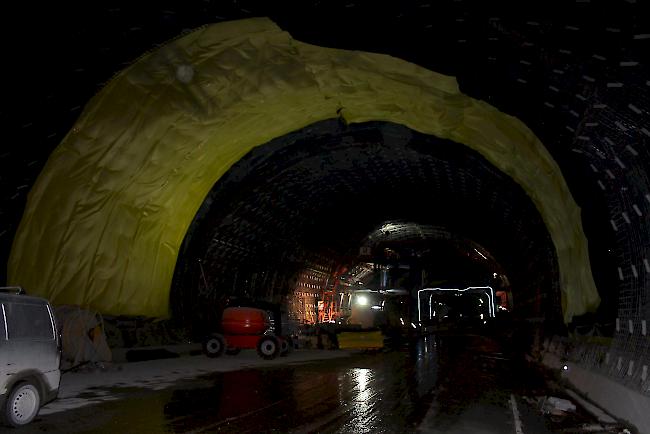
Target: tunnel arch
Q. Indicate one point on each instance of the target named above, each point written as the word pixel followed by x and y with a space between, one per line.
pixel 309 200
pixel 106 218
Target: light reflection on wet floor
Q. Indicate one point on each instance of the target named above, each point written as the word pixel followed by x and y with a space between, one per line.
pixel 373 393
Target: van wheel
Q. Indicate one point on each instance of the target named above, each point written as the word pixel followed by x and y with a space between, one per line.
pixel 22 405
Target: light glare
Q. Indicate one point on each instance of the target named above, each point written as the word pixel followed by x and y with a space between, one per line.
pixel 362 300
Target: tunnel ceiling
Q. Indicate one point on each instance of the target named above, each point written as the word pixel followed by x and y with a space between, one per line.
pixel 428 246
pixel 313 197
pixel 576 73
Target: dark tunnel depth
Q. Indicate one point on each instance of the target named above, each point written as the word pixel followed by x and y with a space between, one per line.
pixel 308 200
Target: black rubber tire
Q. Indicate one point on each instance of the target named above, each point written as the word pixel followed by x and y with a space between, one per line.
pixel 233 351
pixel 268 347
pixel 214 345
pixel 286 345
pixel 22 405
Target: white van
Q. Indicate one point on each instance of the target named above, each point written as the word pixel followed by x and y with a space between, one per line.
pixel 30 356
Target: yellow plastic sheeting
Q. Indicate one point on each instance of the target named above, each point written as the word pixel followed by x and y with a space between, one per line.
pixel 104 222
pixel 360 340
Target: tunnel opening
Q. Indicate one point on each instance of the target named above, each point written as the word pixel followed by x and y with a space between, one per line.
pixel 584 100
pixel 291 220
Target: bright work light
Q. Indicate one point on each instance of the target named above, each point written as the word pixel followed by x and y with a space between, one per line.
pixel 362 300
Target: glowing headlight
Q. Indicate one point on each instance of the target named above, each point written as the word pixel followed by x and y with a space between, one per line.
pixel 362 300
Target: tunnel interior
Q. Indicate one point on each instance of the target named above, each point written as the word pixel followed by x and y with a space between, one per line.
pixel 574 73
pixel 292 213
pixel 296 213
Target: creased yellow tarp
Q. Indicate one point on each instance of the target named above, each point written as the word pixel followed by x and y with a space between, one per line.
pixel 104 222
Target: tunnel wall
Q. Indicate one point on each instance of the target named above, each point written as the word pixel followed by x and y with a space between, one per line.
pixel 310 198
pixel 628 402
pixel 105 220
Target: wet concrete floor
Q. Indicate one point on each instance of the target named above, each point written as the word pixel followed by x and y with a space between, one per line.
pixel 455 384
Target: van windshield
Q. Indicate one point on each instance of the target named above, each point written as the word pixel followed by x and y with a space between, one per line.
pixel 28 321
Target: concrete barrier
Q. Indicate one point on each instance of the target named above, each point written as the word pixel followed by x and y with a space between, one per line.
pixel 624 403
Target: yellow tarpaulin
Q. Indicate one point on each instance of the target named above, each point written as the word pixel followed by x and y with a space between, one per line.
pixel 104 222
pixel 360 340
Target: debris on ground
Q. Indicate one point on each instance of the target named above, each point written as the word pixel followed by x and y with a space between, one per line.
pixel 564 416
pixel 556 406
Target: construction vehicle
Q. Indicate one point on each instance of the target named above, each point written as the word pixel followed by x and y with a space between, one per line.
pixel 246 328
